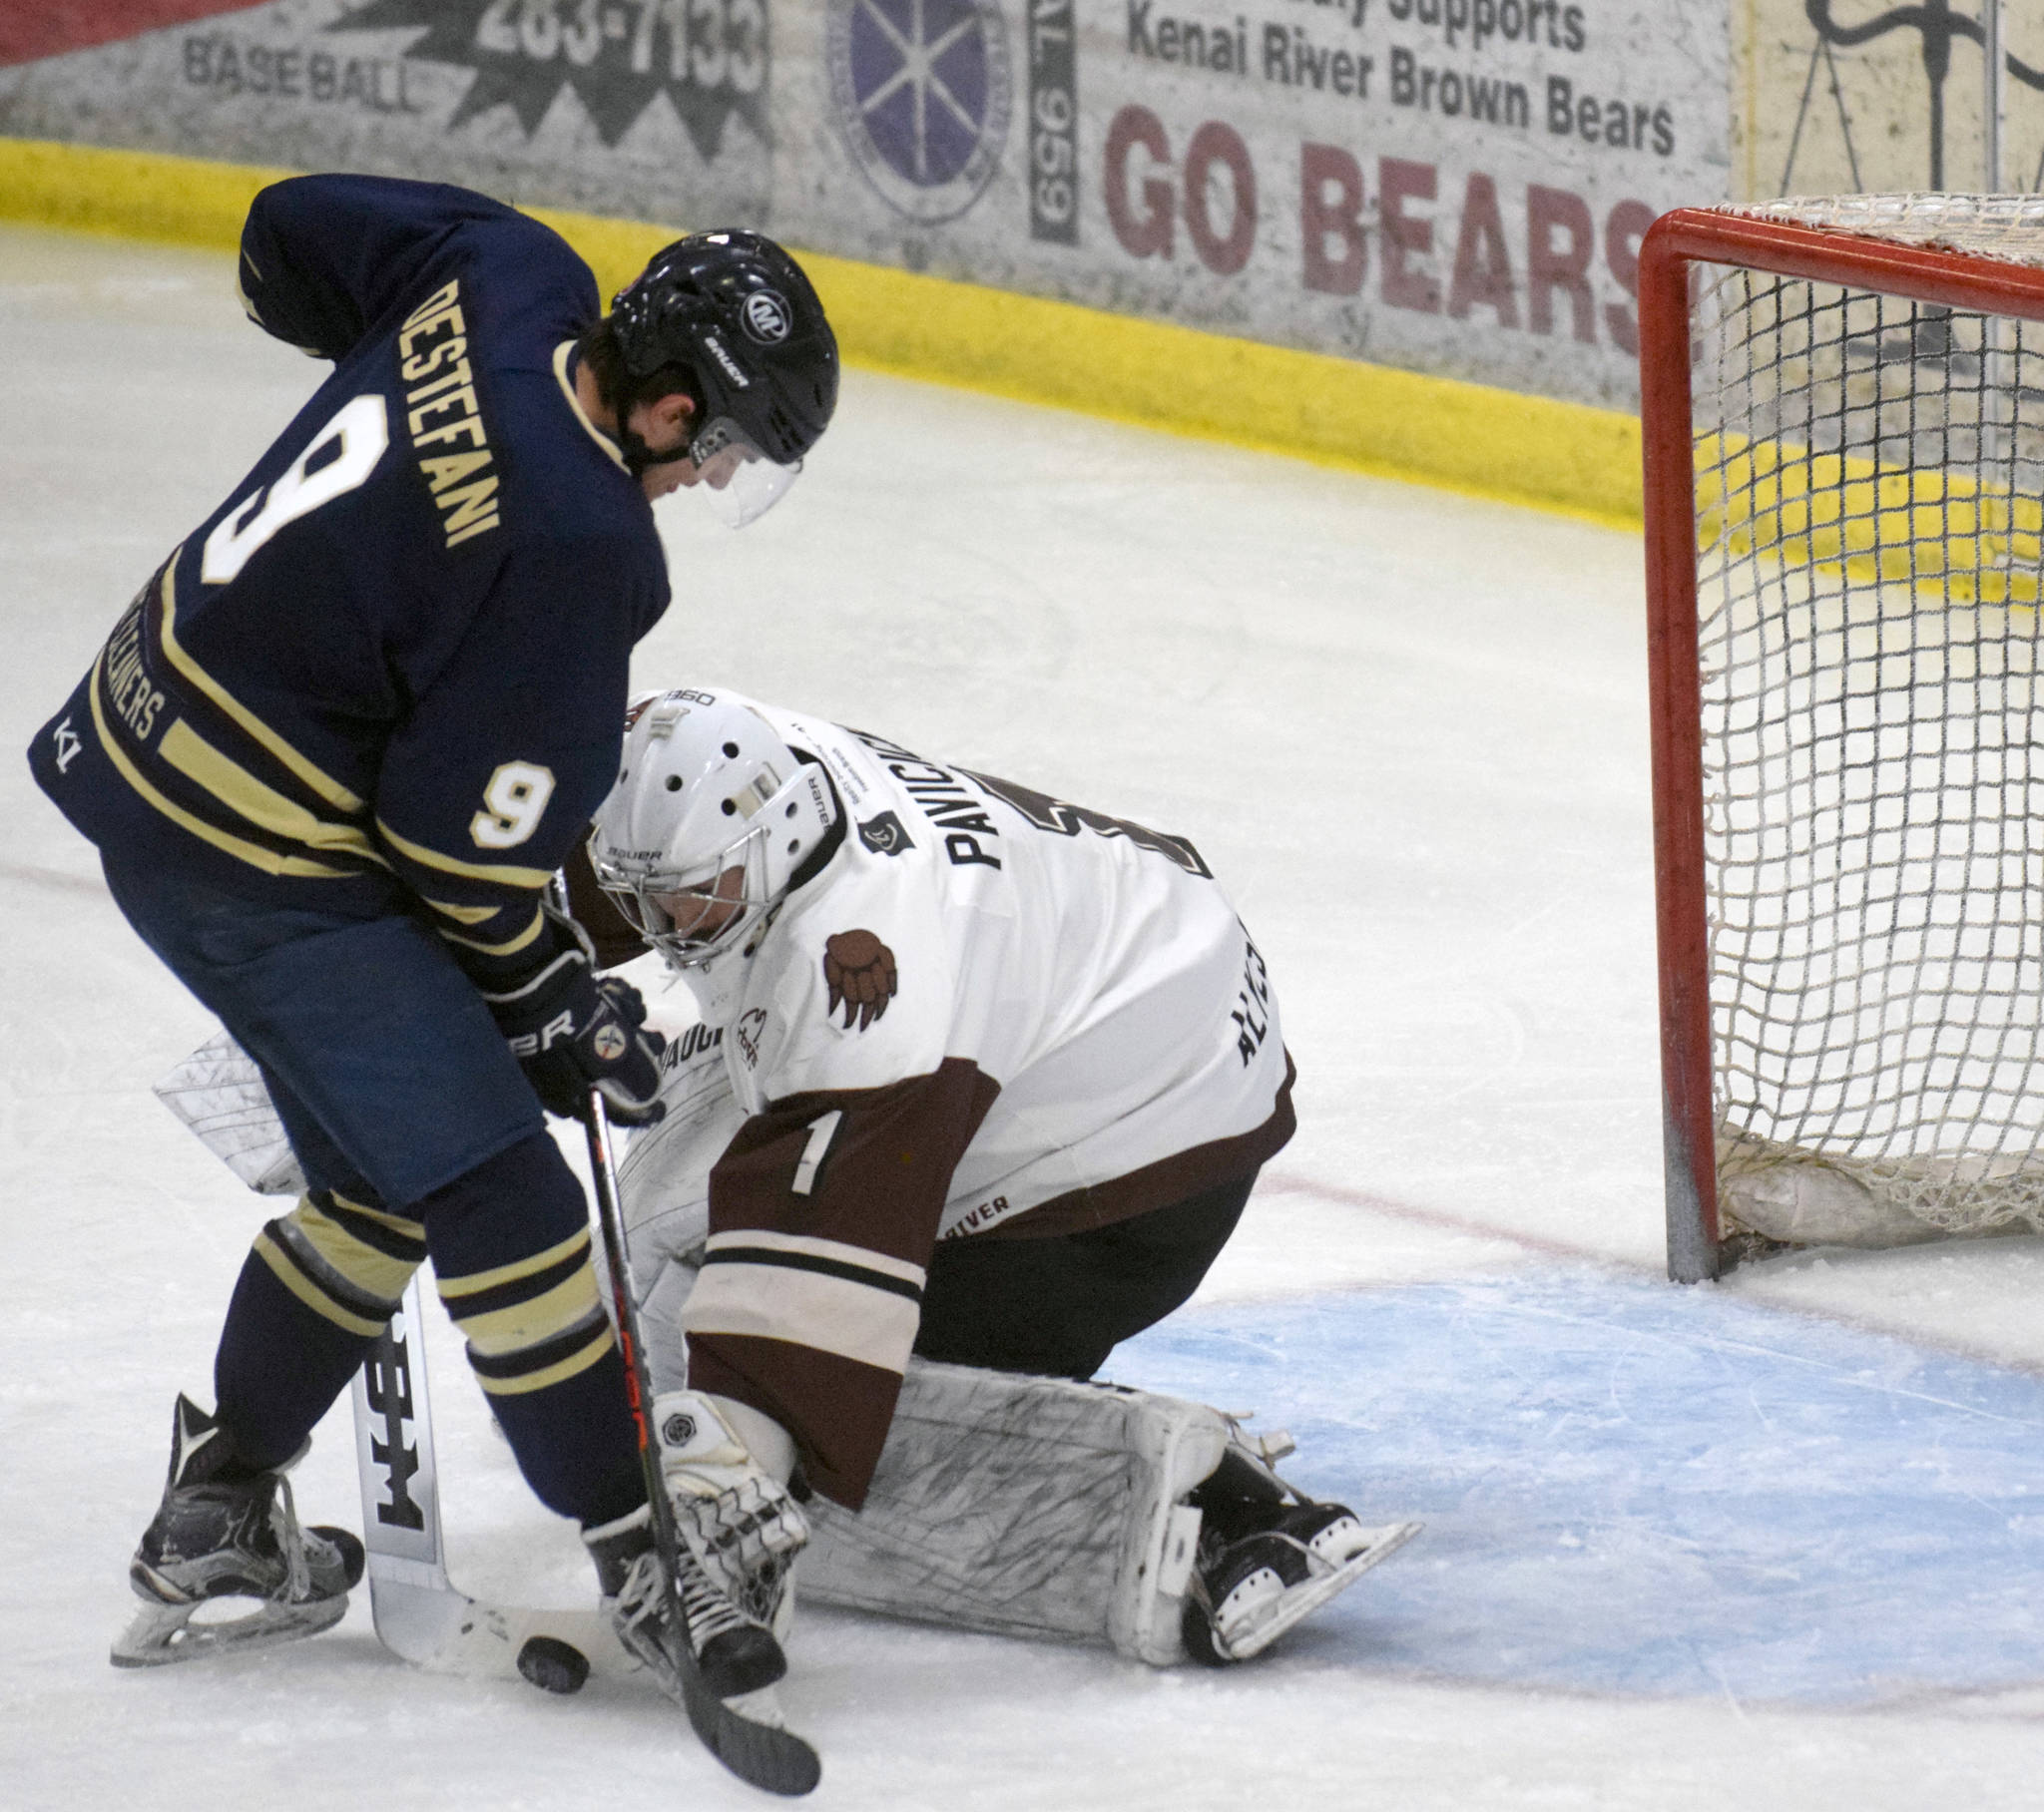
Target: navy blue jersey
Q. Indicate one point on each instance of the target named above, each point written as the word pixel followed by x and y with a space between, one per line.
pixel 393 661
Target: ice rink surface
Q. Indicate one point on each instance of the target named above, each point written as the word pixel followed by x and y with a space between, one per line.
pixel 1778 1542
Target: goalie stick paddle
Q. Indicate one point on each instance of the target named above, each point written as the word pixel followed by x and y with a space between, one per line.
pixel 759 1750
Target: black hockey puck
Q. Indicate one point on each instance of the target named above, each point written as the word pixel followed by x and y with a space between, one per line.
pixel 552 1664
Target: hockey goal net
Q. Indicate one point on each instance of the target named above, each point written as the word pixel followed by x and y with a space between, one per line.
pixel 1843 410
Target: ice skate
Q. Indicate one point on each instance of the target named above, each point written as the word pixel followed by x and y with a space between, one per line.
pixel 736 1655
pixel 229 1542
pixel 1267 1557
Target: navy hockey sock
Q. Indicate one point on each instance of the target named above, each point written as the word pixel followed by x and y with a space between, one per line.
pixel 511 1251
pixel 285 1352
pixel 319 1285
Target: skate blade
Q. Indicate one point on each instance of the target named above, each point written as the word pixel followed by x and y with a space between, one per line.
pixel 1301 1600
pixel 164 1634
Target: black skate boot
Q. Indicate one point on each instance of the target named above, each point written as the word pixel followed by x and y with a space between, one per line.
pixel 735 1655
pixel 225 1532
pixel 1267 1556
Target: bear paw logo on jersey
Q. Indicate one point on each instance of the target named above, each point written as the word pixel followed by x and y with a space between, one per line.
pixel 710 58
pixel 859 971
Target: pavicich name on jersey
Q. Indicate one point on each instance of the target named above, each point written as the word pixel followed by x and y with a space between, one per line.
pixel 949 803
pixel 442 393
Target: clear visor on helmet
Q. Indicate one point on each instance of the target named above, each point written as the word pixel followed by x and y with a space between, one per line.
pixel 689 921
pixel 741 484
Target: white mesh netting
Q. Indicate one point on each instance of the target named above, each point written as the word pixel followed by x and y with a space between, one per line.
pixel 1870 547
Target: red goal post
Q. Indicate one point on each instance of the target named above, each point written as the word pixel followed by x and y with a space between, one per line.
pixel 1841 469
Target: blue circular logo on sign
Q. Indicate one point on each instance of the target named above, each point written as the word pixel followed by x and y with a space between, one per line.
pixel 922 93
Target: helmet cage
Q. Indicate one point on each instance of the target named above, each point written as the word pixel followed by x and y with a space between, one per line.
pixel 709 787
pixel 667 908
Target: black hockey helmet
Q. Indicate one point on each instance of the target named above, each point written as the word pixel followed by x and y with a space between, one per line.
pixel 736 309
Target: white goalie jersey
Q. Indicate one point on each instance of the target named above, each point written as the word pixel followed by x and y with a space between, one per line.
pixel 1090 969
pixel 990 1014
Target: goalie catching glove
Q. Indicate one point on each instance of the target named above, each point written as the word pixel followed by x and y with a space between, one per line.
pixel 740 1534
pixel 736 1517
pixel 571 1030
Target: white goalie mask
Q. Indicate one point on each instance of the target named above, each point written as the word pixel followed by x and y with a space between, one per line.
pixel 711 815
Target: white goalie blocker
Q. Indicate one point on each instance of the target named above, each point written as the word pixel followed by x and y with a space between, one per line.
pixel 218 1093
pixel 1020 1505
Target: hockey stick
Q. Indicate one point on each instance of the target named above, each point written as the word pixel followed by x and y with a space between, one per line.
pixel 766 1754
pixel 420 1615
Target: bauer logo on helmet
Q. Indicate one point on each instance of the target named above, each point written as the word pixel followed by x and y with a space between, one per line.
pixel 731 369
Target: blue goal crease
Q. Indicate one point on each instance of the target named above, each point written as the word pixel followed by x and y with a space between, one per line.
pixel 1637 1490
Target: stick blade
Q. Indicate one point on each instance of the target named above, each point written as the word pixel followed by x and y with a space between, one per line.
pixel 747 1735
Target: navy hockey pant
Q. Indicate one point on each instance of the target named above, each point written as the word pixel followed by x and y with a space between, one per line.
pixel 420 1136
pixel 1058 1306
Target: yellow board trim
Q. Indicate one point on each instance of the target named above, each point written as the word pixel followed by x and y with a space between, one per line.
pixel 1946 533
pixel 235 787
pixel 321 783
pixel 504 874
pixel 251 854
pixel 1341 412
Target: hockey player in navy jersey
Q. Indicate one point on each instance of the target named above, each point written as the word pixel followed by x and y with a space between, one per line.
pixel 331 755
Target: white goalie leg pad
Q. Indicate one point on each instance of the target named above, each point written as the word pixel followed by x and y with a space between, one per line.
pixel 660 1321
pixel 220 1093
pixel 664 1177
pixel 1033 1507
pixel 663 1189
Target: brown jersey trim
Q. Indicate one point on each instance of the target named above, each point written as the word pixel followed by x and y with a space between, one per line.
pixel 837 1409
pixel 880 1186
pixel 885 1178
pixel 1170 1180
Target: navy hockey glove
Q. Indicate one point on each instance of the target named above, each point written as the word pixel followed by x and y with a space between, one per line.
pixel 571 1031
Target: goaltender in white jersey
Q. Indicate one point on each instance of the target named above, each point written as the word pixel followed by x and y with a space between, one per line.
pixel 1080 981
pixel 984 1079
